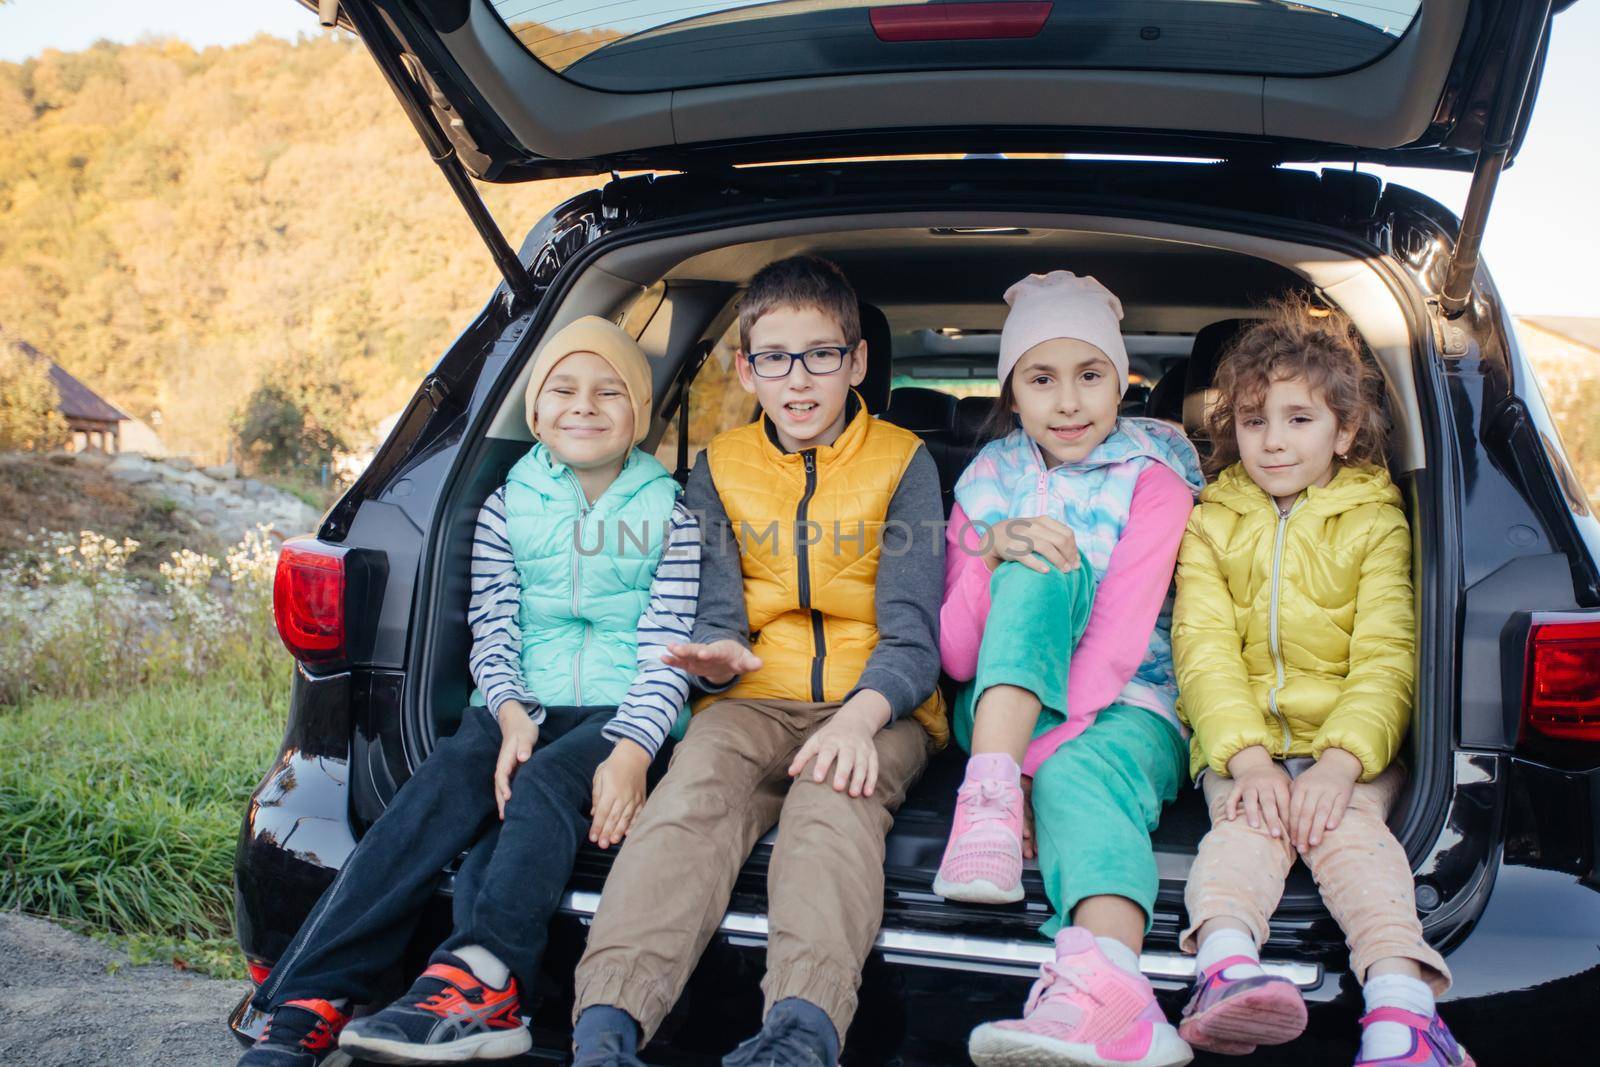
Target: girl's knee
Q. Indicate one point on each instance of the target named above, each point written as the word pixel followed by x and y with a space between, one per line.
pixel 1017 586
pixel 1359 829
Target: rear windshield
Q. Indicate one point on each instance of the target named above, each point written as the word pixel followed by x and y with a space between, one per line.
pixel 639 45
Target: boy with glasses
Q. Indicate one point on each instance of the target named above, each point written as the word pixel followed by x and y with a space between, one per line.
pixel 816 634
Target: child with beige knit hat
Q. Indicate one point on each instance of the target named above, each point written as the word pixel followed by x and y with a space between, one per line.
pixel 585 565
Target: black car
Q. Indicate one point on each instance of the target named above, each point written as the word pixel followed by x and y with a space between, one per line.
pixel 761 131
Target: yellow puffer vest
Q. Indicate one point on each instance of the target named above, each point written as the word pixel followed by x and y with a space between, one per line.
pixel 1296 632
pixel 812 610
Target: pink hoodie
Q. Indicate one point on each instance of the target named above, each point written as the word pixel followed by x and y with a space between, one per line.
pixel 1126 604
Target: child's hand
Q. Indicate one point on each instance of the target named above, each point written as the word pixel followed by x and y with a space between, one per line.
pixel 1024 540
pixel 1261 787
pixel 717 662
pixel 518 735
pixel 618 793
pixel 1319 796
pixel 845 743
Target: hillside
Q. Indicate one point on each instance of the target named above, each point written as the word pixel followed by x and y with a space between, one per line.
pixel 176 225
pixel 165 506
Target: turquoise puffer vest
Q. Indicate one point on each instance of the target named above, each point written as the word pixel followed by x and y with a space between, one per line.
pixel 585 573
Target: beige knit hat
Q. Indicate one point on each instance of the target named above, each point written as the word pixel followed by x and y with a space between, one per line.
pixel 1062 304
pixel 608 341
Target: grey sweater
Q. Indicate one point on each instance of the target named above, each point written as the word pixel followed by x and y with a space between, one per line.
pixel 904 667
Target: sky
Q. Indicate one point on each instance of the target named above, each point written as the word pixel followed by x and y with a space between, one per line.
pixel 1543 232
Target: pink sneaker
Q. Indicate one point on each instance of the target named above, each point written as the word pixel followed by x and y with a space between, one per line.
pixel 1432 1044
pixel 983 861
pixel 1084 1011
pixel 1232 1016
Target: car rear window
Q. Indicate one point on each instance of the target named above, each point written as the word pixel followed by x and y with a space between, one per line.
pixel 957 387
pixel 640 45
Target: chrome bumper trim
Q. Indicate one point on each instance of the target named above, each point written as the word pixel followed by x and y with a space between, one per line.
pixel 958 953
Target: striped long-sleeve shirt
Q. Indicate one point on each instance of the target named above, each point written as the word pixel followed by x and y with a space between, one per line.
pixel 658 692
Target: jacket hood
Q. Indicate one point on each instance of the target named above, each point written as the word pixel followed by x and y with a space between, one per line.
pixel 1350 488
pixel 542 473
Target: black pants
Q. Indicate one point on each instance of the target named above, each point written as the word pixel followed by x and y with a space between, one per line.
pixel 509 887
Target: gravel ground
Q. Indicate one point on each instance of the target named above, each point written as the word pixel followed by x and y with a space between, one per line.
pixel 61 1005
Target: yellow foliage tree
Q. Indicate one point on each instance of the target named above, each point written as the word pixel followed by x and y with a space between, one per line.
pixel 178 227
pixel 30 415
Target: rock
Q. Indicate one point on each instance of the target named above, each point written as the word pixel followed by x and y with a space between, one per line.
pixel 222 472
pixel 135 475
pixel 179 463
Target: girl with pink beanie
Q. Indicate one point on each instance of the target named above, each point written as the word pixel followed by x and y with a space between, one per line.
pixel 1056 619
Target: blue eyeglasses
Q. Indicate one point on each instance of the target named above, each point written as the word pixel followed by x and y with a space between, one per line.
pixel 777 364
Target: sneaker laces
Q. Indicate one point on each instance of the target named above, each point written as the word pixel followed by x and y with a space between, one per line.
pixel 788 1035
pixel 300 1026
pixel 985 800
pixel 1055 973
pixel 784 1039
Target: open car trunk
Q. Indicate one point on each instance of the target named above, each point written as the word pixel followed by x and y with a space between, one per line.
pixel 504 91
pixel 935 279
pixel 583 86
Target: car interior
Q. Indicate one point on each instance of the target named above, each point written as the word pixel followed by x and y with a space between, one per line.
pixel 931 314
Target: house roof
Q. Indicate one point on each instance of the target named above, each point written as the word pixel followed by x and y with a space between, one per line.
pixel 78 401
pixel 1584 330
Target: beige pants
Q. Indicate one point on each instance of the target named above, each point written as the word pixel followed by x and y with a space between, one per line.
pixel 1360 868
pixel 727 785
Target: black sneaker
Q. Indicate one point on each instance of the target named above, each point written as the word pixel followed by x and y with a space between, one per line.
pixel 608 1051
pixel 301 1033
pixel 447 1016
pixel 791 1036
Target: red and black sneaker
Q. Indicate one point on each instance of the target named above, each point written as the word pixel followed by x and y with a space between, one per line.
pixel 447 1016
pixel 301 1033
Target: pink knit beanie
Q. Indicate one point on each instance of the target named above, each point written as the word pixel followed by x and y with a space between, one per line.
pixel 1061 304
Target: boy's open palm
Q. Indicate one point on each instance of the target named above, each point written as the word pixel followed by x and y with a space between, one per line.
pixel 1037 543
pixel 618 793
pixel 717 662
pixel 1319 797
pixel 518 735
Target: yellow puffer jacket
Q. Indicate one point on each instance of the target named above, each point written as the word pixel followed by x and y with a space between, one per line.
pixel 812 608
pixel 1295 632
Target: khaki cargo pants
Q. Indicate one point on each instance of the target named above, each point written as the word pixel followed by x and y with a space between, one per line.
pixel 727 785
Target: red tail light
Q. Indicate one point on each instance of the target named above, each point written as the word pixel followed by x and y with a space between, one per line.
pixel 308 600
pixel 1562 699
pixel 1006 20
pixel 258 971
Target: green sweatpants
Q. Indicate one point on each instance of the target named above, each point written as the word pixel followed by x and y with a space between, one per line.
pixel 1097 798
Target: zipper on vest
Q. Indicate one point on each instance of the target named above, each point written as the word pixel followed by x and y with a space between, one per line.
pixel 577 557
pixel 1272 639
pixel 803 551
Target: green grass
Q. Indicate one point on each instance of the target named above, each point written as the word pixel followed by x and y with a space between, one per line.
pixel 216 956
pixel 118 815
